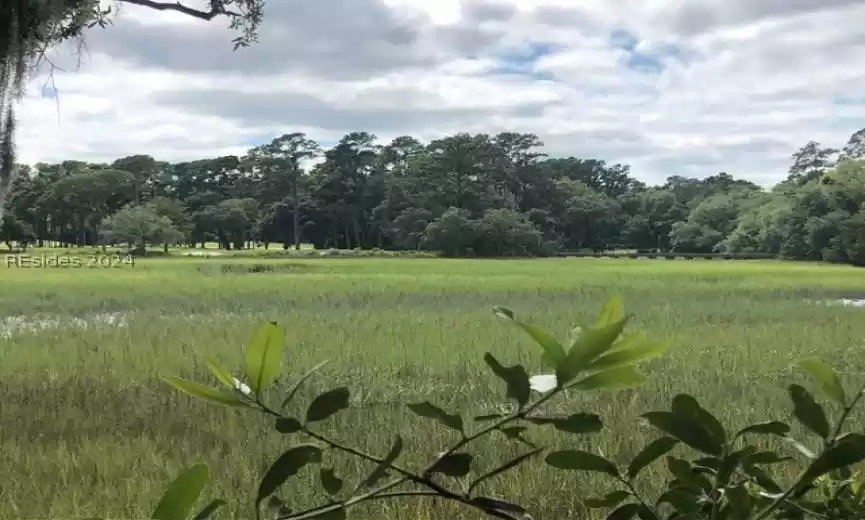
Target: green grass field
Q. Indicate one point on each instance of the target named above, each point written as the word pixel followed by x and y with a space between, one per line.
pixel 86 427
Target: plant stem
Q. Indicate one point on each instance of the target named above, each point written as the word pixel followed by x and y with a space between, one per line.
pixel 795 488
pixel 407 475
pixel 519 414
pixel 639 497
pixel 315 511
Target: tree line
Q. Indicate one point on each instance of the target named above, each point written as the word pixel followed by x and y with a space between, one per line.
pixel 461 195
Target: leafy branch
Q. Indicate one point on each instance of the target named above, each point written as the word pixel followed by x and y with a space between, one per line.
pixel 729 479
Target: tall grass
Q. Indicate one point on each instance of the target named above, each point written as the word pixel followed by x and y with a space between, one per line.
pixel 86 428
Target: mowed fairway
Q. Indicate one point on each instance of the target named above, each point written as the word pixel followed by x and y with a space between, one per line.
pixel 86 427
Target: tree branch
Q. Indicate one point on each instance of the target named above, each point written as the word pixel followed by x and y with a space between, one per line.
pixel 216 8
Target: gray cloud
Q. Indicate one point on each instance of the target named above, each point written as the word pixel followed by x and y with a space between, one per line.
pixel 745 98
pixel 398 116
pixel 327 38
pixel 697 16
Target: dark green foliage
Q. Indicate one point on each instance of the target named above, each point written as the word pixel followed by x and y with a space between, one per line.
pixel 723 477
pixel 431 411
pixel 31 28
pixel 464 195
pixel 515 377
pixel 287 465
pixel 327 404
pixel 453 465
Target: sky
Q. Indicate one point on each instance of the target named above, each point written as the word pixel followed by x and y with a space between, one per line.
pixel 669 87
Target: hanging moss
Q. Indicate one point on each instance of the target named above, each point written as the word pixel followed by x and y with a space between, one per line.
pixel 29 28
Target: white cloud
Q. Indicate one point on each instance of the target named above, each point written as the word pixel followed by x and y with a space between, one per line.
pixel 739 87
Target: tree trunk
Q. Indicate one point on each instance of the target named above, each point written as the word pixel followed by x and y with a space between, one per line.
pixel 296 217
pixel 6 179
pixel 358 240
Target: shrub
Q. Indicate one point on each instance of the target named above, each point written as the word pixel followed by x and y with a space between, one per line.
pixel 728 477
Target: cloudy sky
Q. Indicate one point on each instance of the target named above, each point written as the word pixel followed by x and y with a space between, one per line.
pixel 687 87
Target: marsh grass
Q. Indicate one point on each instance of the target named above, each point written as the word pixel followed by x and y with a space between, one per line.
pixel 88 429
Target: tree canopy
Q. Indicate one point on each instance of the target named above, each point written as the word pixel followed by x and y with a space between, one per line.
pixel 31 28
pixel 462 195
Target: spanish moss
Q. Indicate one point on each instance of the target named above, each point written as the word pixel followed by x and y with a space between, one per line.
pixel 28 28
pixel 31 28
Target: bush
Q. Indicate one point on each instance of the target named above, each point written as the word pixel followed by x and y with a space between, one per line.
pixel 728 476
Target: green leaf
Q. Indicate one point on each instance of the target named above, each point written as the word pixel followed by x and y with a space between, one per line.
pixel 731 463
pixel 826 376
pixel 625 512
pixel 682 470
pixel 497 505
pixel 431 411
pixel 686 406
pixel 383 467
pixel 327 404
pixel 329 481
pixel 612 312
pixel 847 451
pixel 628 356
pixel 333 514
pixel 264 356
pixel 579 423
pixel 554 352
pixel 205 392
pixel 182 494
pixel 645 513
pixel 740 500
pixel 581 460
pixel 224 376
pixel 209 509
pixel 516 461
pixel 288 425
pixel 287 465
pixel 277 507
pixel 681 499
pixel 300 382
pixel 801 448
pixel 516 433
pixel 515 377
pixel 808 412
pixel 504 312
pixel 591 344
pixel 489 417
pixel 453 465
pixel 766 457
pixel 617 378
pixel 575 423
pixel 710 463
pixel 767 428
pixel 655 450
pixel 762 478
pixel 574 335
pixel 629 341
pixel 611 499
pixel 686 430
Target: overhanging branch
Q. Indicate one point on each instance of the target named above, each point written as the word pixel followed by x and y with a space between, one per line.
pixel 216 8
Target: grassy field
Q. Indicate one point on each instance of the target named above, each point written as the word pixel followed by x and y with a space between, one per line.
pixel 86 428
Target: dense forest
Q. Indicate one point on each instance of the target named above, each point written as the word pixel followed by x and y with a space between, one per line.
pixel 462 195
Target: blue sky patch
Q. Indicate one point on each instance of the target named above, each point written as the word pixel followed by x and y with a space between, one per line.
pixel 643 61
pixel 522 61
pixel 48 92
pixel 849 100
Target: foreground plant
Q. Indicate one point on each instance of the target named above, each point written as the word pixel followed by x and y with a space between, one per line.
pixel 727 480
